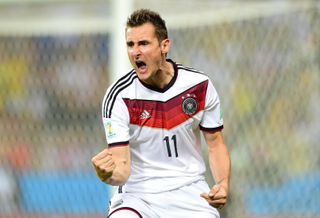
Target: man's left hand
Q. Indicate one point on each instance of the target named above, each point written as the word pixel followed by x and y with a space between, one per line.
pixel 217 196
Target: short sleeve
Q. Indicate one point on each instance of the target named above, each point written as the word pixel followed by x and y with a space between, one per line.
pixel 115 118
pixel 212 117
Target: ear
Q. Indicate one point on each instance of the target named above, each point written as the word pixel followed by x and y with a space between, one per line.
pixel 165 46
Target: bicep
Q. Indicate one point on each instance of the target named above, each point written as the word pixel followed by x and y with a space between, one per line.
pixel 214 138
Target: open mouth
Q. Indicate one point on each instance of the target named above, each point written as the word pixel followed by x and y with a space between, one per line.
pixel 141 64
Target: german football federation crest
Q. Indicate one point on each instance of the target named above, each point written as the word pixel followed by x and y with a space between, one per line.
pixel 189 106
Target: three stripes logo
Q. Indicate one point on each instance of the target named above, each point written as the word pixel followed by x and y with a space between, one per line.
pixel 144 115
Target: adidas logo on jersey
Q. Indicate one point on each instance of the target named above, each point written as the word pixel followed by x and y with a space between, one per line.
pixel 144 115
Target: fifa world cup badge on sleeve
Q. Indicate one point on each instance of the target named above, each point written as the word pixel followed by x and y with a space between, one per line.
pixel 107 123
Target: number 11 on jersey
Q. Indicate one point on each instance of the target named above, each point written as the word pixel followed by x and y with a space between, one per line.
pixel 174 141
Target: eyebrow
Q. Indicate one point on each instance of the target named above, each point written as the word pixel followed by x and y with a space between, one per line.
pixel 144 41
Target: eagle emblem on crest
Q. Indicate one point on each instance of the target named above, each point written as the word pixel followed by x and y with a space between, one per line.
pixel 189 105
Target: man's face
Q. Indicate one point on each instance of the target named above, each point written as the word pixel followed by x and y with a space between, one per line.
pixel 145 52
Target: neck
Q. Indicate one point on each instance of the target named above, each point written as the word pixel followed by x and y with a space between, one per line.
pixel 164 75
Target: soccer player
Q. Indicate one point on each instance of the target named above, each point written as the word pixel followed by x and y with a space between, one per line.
pixel 153 117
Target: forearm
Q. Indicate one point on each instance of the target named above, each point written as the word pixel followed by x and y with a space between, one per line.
pixel 220 164
pixel 119 175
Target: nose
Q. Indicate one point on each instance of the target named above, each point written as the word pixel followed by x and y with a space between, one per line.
pixel 134 51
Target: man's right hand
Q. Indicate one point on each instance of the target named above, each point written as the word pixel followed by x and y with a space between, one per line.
pixel 104 164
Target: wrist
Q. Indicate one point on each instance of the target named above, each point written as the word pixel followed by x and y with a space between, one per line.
pixel 224 183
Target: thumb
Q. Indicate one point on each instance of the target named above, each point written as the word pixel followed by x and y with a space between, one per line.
pixel 214 190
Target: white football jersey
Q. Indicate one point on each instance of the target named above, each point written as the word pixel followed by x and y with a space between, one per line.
pixel 162 127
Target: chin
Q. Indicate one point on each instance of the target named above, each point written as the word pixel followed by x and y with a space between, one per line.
pixel 145 75
pixel 144 78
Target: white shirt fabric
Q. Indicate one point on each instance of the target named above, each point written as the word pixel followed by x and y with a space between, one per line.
pixel 162 127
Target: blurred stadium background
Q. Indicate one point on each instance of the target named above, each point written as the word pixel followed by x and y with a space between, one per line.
pixel 57 58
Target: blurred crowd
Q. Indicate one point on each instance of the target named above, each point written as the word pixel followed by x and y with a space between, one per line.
pixel 50 96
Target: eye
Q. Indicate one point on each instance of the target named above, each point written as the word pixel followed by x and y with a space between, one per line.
pixel 130 44
pixel 143 42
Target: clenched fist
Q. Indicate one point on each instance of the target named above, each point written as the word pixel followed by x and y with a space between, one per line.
pixel 104 164
pixel 217 196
